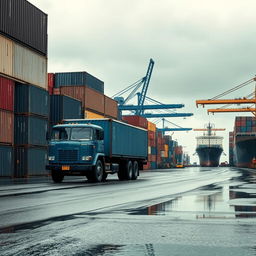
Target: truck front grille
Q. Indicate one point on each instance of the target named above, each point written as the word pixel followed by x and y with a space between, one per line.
pixel 68 155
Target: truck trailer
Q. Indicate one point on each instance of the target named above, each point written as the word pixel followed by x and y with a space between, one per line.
pixel 95 148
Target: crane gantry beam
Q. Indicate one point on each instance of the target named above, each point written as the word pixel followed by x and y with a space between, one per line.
pixel 219 110
pixel 226 101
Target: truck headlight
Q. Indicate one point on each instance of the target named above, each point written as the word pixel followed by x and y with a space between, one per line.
pixel 86 158
pixel 51 158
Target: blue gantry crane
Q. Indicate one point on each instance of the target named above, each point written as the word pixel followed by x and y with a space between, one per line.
pixel 140 108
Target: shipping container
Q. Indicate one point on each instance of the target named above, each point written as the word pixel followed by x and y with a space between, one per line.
pixel 29 66
pixel 91 115
pixel 50 83
pixel 111 108
pixel 136 121
pixel 64 107
pixel 30 161
pixel 151 127
pixel 30 130
pixel 79 79
pixel 25 23
pixel 6 55
pixel 6 161
pixel 6 127
pixel 153 165
pixel 6 94
pixel 133 144
pixel 91 99
pixel 31 99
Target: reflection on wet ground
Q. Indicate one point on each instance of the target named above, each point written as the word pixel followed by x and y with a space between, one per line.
pixel 235 198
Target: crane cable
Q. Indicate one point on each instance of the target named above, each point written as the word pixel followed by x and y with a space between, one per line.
pixel 233 89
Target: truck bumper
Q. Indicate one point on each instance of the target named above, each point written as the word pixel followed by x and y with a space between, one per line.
pixel 69 168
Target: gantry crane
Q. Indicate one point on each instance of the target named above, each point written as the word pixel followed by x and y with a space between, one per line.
pixel 166 129
pixel 140 107
pixel 249 99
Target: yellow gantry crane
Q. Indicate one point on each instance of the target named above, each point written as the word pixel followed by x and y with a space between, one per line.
pixel 250 99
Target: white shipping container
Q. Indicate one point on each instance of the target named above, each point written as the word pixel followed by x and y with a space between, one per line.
pixel 6 56
pixel 29 66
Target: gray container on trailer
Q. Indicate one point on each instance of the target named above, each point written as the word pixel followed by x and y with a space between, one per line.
pixel 120 139
pixel 30 130
pixel 30 161
pixel 6 161
pixel 31 99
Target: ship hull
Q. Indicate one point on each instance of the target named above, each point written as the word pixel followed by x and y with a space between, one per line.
pixel 245 151
pixel 209 156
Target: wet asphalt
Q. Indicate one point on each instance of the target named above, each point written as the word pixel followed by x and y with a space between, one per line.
pixel 190 211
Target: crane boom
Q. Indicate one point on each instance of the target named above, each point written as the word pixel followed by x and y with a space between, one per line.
pixel 219 110
pixel 226 101
pixel 143 93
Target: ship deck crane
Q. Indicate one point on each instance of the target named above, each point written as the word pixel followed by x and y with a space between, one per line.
pixel 249 99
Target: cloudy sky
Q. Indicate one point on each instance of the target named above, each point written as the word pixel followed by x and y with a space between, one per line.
pixel 200 48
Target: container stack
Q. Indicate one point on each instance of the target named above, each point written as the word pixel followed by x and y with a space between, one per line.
pixel 23 51
pixel 152 151
pixel 87 89
pixel 231 148
pixel 245 124
pixel 6 127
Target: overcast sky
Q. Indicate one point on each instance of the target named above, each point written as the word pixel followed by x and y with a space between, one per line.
pixel 200 48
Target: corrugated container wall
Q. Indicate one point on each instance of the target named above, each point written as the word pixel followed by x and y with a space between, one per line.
pixel 64 107
pixel 136 121
pixel 30 161
pixel 29 66
pixel 111 108
pixel 31 99
pixel 22 21
pixel 30 130
pixel 6 55
pixel 91 99
pixel 6 127
pixel 6 94
pixel 6 161
pixel 78 79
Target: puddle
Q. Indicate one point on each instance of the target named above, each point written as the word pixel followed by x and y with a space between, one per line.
pixel 223 201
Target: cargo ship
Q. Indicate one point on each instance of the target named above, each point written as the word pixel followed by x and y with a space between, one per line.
pixel 244 142
pixel 209 147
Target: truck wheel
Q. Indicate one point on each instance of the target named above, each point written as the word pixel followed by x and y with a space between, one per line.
pixel 57 177
pixel 97 172
pixel 128 170
pixel 121 173
pixel 135 170
pixel 104 177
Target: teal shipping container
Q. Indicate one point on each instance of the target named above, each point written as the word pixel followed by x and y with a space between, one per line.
pixel 6 161
pixel 120 139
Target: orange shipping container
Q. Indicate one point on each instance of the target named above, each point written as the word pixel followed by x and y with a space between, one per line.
pixel 111 108
pixel 151 127
pixel 91 115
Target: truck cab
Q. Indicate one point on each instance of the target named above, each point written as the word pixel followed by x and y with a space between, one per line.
pixel 76 149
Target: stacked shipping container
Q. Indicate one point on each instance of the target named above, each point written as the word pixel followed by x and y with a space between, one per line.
pixel 231 148
pixel 23 58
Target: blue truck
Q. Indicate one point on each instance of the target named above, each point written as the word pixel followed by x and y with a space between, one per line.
pixel 95 148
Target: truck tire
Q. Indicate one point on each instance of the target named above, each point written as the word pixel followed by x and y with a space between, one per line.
pixel 135 170
pixel 104 177
pixel 128 170
pixel 121 171
pixel 97 173
pixel 57 176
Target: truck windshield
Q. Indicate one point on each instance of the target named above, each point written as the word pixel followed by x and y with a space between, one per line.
pixel 82 133
pixel 60 133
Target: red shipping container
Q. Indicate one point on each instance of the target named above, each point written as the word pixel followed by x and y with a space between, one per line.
pixel 6 94
pixel 146 166
pixel 136 121
pixel 111 108
pixel 50 83
pixel 6 127
pixel 151 135
pixel 56 91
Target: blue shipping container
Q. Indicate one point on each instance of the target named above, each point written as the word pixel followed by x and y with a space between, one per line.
pixel 153 165
pixel 30 161
pixel 31 99
pixel 78 79
pixel 120 139
pixel 153 151
pixel 64 107
pixel 30 130
pixel 6 161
